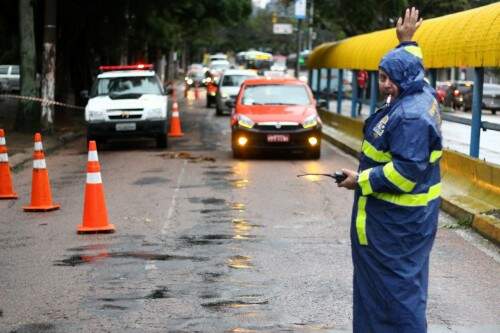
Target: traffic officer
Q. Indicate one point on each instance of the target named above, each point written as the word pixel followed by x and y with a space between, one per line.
pixel 397 189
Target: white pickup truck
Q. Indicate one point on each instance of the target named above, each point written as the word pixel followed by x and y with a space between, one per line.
pixel 9 78
pixel 127 101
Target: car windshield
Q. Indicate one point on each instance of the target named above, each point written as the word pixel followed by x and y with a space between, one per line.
pixel 134 85
pixel 234 80
pixel 219 67
pixel 198 75
pixel 4 69
pixel 277 94
pixel 491 89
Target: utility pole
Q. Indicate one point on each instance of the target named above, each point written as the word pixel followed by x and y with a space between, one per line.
pixel 310 31
pixel 49 65
pixel 300 15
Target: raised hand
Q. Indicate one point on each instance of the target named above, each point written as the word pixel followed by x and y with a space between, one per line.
pixel 405 28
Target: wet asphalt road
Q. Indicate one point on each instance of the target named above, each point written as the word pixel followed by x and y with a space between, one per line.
pixel 205 243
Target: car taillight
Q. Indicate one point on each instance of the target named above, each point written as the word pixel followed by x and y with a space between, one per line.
pixel 456 92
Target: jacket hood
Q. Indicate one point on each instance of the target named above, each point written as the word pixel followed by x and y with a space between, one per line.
pixel 405 68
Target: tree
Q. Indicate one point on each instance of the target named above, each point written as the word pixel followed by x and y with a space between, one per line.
pixel 27 117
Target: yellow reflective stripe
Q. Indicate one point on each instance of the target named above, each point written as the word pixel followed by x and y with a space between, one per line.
pixel 364 182
pixel 415 50
pixel 411 200
pixel 361 221
pixel 375 154
pixel 398 179
pixel 435 155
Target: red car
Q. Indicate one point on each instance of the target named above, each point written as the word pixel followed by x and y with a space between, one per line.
pixel 277 113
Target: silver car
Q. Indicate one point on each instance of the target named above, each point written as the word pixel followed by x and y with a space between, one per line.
pixel 9 78
pixel 229 86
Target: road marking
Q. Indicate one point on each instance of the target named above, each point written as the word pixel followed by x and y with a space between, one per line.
pixel 150 264
pixel 174 199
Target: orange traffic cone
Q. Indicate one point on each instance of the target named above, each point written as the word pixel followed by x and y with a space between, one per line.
pixel 6 190
pixel 95 215
pixel 175 122
pixel 41 196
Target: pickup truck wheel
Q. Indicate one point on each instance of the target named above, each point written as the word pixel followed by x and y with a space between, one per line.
pixel 161 141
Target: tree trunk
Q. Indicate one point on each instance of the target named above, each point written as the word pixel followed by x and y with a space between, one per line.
pixel 49 65
pixel 27 116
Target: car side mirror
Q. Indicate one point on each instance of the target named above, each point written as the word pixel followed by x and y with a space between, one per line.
pixel 84 94
pixel 230 104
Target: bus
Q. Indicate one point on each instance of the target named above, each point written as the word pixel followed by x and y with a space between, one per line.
pixel 256 60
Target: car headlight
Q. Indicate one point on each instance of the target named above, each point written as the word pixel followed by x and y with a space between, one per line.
pixel 156 113
pixel 189 81
pixel 310 121
pixel 224 95
pixel 244 121
pixel 96 115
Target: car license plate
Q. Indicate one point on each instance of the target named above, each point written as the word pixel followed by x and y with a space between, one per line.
pixel 278 138
pixel 125 127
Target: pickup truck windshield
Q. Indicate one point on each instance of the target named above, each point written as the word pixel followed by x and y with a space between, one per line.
pixel 134 85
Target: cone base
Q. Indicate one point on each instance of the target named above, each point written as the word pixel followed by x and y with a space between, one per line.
pixel 8 196
pixel 175 134
pixel 110 228
pixel 41 208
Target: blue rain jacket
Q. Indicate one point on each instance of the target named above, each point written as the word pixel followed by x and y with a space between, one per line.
pixel 396 205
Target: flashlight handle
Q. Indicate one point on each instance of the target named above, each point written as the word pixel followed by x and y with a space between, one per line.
pixel 339 176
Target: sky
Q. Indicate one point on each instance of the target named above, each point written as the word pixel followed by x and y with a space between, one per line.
pixel 260 3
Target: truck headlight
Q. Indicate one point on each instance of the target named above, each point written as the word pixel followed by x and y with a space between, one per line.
pixel 310 121
pixel 156 113
pixel 97 115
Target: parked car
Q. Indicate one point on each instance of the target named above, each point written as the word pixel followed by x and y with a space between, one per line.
pixel 127 101
pixel 491 97
pixel 229 85
pixel 275 114
pixel 9 78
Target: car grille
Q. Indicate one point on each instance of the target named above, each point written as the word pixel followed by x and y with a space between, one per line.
pixel 124 114
pixel 277 126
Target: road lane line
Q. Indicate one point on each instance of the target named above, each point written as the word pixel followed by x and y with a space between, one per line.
pixel 174 199
pixel 150 264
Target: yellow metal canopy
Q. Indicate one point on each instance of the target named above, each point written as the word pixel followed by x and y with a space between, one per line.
pixel 466 39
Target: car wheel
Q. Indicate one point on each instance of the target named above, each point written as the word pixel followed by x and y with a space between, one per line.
pixel 218 111
pixel 161 141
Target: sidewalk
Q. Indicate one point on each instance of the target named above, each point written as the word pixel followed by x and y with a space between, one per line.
pixel 68 127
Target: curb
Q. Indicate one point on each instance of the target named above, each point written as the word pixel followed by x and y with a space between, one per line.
pixel 61 142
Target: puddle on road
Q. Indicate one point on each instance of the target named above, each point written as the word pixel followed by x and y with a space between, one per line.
pixel 240 183
pixel 211 276
pixel 240 262
pixel 85 259
pixel 35 328
pixel 227 305
pixel 151 181
pixel 207 201
pixel 218 173
pixel 159 293
pixel 113 307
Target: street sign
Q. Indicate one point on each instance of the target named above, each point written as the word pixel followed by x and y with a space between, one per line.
pixel 282 28
pixel 300 9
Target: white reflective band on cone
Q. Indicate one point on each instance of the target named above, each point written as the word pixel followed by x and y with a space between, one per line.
pixel 39 164
pixel 93 156
pixel 2 141
pixel 4 158
pixel 38 146
pixel 175 114
pixel 94 178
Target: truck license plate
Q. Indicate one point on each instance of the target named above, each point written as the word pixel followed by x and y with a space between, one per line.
pixel 125 127
pixel 278 138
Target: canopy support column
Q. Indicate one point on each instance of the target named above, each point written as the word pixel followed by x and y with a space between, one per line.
pixel 477 102
pixel 354 97
pixel 373 91
pixel 328 87
pixel 340 90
